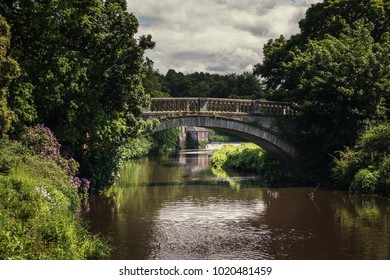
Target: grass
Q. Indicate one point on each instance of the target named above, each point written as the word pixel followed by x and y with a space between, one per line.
pixel 248 158
pixel 40 210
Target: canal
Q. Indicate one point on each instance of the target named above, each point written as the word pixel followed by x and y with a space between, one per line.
pixel 177 207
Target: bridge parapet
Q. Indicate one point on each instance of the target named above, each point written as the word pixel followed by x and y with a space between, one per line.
pixel 220 105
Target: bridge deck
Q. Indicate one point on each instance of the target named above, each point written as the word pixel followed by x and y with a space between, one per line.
pixel 161 106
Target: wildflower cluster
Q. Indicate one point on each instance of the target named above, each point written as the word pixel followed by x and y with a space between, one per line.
pixel 41 141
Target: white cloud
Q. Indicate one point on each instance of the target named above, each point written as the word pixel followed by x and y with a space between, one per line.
pixel 218 36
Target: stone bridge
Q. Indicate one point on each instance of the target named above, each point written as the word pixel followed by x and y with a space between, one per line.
pixel 252 120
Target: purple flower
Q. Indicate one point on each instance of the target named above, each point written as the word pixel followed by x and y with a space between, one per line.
pixel 76 182
pixel 84 184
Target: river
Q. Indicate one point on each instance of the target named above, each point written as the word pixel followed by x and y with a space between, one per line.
pixel 178 208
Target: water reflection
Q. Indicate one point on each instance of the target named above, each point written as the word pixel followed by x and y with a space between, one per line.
pixel 176 208
pixel 206 230
pixel 195 160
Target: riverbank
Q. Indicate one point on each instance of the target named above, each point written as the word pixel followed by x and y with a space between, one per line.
pixel 40 210
pixel 248 158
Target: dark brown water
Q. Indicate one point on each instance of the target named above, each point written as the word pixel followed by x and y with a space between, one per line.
pixel 177 208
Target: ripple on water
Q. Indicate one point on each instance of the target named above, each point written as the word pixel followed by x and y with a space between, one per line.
pixel 216 230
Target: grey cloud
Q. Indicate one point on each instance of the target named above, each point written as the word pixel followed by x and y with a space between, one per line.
pixel 221 36
pixel 198 56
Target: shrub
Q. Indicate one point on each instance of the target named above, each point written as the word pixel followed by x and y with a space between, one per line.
pixel 246 158
pixel 384 176
pixel 42 142
pixel 365 181
pixel 10 155
pixel 166 140
pixel 365 168
pixel 39 210
pixel 136 148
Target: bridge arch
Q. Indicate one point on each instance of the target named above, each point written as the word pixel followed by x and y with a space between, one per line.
pixel 251 120
pixel 261 134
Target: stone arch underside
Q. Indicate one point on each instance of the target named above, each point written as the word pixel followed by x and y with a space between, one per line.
pixel 264 137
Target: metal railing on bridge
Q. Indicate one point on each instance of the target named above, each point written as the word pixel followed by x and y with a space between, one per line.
pixel 219 105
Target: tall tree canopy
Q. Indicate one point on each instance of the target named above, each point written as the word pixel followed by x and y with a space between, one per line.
pixel 9 70
pixel 336 71
pixel 81 75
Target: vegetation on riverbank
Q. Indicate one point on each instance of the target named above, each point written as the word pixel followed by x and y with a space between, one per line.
pixel 365 168
pixel 40 209
pixel 217 136
pixel 166 141
pixel 81 74
pixel 247 157
pixel 336 73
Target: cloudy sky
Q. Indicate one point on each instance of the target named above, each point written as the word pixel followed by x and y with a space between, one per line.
pixel 216 36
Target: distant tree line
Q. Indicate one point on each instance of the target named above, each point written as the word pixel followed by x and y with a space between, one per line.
pixel 199 84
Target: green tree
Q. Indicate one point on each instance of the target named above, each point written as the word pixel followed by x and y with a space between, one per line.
pixel 9 70
pixel 335 86
pixel 81 76
pixel 247 158
pixel 336 74
pixel 245 86
pixel 166 141
pixel 153 81
pixel 332 16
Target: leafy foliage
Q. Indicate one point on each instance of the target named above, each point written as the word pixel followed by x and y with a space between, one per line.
pixel 39 210
pixel 246 158
pixel 245 86
pixel 218 136
pixel 136 148
pixel 81 75
pixel 153 81
pixel 366 167
pixel 41 141
pixel 9 70
pixel 332 16
pixel 166 141
pixel 336 73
